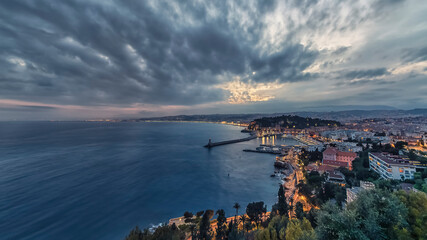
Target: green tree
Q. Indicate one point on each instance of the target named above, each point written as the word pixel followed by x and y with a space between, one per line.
pixel 135 234
pixel 205 226
pixel 278 224
pixel 243 220
pixel 314 179
pixel 336 224
pixel 275 230
pixel 200 213
pixel 375 214
pixel 265 234
pixel 379 212
pixel 416 203
pixel 311 216
pixel 188 216
pixel 255 211
pixel 237 207
pixel 299 210
pixel 161 233
pixel 304 189
pixel 221 230
pixel 235 234
pixel 230 228
pixel 247 225
pixel 168 232
pixel 193 231
pixel 282 205
pixel 400 145
pixel 299 230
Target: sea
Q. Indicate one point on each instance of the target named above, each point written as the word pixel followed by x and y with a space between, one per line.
pixel 98 180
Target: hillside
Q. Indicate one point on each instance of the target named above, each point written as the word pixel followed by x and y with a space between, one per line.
pixel 290 121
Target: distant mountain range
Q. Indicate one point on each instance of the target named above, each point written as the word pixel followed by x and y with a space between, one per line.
pixel 347 108
pixel 332 115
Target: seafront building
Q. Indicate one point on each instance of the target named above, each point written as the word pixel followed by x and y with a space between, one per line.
pixel 390 166
pixel 335 158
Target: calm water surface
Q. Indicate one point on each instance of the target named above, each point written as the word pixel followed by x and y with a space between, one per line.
pixel 91 180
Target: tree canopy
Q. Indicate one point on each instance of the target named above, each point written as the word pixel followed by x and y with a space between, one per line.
pixel 291 122
pixel 375 214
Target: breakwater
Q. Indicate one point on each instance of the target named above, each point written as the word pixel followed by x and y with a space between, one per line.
pixel 262 151
pixel 215 144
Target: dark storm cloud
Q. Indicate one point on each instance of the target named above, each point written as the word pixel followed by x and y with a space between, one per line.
pixel 366 73
pixel 27 109
pixel 415 55
pixel 286 66
pixel 361 82
pixel 146 54
pixel 96 52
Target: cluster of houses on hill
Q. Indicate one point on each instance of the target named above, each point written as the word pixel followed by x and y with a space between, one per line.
pixel 388 166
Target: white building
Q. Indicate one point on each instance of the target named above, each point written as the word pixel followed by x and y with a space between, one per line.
pixel 354 191
pixel 391 166
pixel 312 148
pixel 349 147
pixel 382 139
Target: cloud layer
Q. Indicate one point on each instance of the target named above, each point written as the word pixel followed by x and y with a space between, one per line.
pixel 154 56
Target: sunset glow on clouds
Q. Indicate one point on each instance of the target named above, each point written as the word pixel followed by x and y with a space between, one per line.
pixel 242 92
pixel 87 59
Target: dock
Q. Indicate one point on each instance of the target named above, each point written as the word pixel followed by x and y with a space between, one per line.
pixel 215 144
pixel 261 151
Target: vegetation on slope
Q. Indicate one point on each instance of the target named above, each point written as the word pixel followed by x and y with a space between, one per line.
pixel 290 121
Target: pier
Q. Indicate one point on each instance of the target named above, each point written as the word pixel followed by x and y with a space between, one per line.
pixel 215 144
pixel 262 151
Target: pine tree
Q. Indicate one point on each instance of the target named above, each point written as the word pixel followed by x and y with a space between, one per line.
pixel 299 210
pixel 221 230
pixel 205 226
pixel 282 204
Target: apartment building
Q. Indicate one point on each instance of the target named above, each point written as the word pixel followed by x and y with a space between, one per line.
pixel 391 166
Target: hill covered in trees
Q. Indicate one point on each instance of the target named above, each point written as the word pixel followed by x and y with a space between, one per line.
pixel 291 121
pixel 375 214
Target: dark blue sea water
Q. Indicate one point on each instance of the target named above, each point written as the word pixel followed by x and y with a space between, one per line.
pixel 93 180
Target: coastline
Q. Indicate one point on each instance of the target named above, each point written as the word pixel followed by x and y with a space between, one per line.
pixel 176 121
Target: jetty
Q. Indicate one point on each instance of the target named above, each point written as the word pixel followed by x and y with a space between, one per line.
pixel 215 144
pixel 262 151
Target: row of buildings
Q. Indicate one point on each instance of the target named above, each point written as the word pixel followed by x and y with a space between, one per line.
pixel 387 165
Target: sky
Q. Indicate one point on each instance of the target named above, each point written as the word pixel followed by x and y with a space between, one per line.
pixel 111 59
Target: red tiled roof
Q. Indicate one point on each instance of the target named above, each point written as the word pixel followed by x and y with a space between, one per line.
pixel 330 150
pixel 336 175
pixel 335 163
pixel 311 167
pixel 324 168
pixel 347 154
